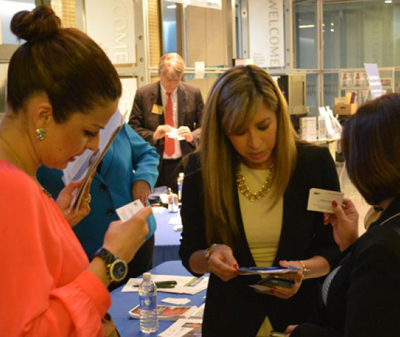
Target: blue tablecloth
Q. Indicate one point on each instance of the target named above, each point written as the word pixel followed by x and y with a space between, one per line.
pixel 123 302
pixel 167 240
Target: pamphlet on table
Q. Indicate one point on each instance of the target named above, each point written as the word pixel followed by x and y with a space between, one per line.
pixel 168 312
pixel 183 328
pixel 184 284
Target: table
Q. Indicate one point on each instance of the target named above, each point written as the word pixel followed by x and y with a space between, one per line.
pixel 167 241
pixel 123 302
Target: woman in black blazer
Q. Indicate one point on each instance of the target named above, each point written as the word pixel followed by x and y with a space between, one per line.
pixel 227 222
pixel 362 295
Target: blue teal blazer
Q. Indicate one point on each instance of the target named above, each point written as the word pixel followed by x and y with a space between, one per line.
pixel 129 158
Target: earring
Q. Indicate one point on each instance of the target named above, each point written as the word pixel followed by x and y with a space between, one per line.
pixel 40 133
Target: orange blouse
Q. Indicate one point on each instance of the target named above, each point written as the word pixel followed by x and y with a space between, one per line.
pixel 45 287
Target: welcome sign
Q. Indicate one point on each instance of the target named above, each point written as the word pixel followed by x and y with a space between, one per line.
pixel 266 31
pixel 110 23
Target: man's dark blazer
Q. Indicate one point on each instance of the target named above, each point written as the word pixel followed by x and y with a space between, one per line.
pixel 233 308
pixel 190 109
pixel 364 296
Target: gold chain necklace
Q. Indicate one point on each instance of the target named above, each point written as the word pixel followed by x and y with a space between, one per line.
pixel 21 162
pixel 245 190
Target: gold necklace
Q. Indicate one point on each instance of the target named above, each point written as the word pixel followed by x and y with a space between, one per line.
pixel 245 190
pixel 21 162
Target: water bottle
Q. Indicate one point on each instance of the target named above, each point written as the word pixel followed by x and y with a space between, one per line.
pixel 148 305
pixel 173 204
pixel 180 182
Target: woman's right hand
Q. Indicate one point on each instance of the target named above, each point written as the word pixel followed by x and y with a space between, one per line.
pixel 222 263
pixel 125 238
pixel 344 222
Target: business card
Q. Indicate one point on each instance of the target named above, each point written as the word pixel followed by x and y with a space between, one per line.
pixel 321 200
pixel 129 210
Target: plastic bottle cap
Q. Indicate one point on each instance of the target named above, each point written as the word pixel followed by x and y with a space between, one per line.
pixel 181 174
pixel 147 276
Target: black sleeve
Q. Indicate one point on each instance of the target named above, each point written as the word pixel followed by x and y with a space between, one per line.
pixel 373 298
pixel 137 119
pixel 193 233
pixel 199 114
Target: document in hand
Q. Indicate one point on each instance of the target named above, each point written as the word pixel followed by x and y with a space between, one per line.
pixel 268 270
pixel 168 312
pixel 85 165
pixel 184 284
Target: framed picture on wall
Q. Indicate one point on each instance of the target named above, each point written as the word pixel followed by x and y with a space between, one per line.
pixel 360 79
pixel 346 80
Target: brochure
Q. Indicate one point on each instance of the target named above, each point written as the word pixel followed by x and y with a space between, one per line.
pixel 167 312
pixel 85 165
pixel 184 284
pixel 268 270
pixel 183 328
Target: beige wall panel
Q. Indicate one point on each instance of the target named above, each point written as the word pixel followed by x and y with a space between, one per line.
pixel 204 85
pixel 206 36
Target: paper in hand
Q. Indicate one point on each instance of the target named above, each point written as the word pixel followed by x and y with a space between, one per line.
pixel 174 135
pixel 129 210
pixel 321 200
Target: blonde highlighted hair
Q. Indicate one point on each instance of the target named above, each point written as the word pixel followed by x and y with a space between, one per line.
pixel 171 65
pixel 230 108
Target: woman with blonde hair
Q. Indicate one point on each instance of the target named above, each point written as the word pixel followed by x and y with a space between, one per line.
pixel 245 204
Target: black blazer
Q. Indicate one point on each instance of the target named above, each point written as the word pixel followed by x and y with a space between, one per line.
pixel 233 308
pixel 364 296
pixel 190 110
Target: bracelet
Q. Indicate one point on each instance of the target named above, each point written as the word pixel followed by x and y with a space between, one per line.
pixel 209 251
pixel 303 266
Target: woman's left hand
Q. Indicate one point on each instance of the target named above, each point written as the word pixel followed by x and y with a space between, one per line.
pixel 284 292
pixel 65 198
pixel 141 190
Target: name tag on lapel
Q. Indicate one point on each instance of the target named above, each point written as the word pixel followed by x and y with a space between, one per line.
pixel 157 109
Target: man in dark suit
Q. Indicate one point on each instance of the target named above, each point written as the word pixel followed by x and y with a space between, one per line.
pixel 167 114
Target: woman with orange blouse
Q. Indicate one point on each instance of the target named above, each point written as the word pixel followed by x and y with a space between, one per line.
pixel 62 89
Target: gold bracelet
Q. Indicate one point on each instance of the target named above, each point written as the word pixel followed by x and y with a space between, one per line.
pixel 209 251
pixel 303 266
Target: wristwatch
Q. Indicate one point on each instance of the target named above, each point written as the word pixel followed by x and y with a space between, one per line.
pixel 116 268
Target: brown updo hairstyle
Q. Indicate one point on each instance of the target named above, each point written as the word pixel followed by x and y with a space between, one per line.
pixel 371 146
pixel 64 63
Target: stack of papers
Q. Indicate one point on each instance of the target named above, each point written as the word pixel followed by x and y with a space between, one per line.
pixel 185 284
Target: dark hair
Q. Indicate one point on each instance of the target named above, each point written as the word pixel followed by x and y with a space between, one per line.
pixel 371 146
pixel 64 63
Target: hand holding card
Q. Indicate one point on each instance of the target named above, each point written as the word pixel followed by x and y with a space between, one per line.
pixel 129 210
pixel 321 200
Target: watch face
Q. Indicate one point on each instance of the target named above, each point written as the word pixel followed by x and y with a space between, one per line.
pixel 118 270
